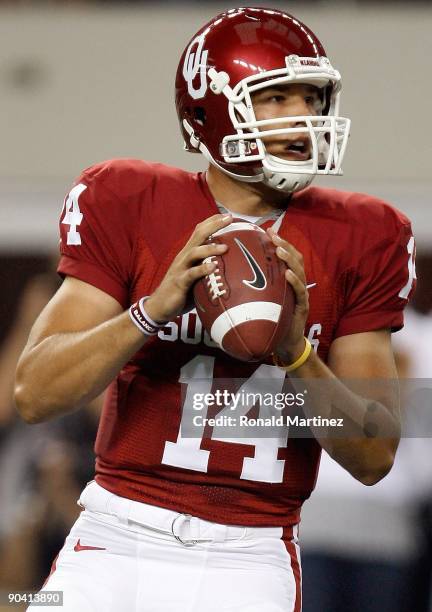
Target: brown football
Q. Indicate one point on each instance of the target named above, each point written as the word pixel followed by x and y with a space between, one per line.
pixel 246 304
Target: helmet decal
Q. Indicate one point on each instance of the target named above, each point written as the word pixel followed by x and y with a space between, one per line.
pixel 195 63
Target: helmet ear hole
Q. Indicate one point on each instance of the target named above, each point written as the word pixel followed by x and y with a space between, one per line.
pixel 199 115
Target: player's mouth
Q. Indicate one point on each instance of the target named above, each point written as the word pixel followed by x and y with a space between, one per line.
pixel 298 150
pixel 294 150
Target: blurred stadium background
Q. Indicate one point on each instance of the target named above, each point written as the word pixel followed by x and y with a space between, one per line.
pixel 85 81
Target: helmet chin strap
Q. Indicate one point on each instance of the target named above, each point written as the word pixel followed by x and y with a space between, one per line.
pixel 282 180
pixel 286 182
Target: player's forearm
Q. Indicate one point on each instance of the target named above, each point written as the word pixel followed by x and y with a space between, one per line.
pixel 66 371
pixel 367 442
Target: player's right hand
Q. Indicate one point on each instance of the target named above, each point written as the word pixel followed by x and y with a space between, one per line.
pixel 169 299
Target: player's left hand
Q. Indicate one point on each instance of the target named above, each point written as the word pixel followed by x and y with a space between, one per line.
pixel 292 344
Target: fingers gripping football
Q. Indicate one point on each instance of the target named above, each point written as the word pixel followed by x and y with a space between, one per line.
pixel 192 272
pixel 292 343
pixel 169 299
pixel 206 228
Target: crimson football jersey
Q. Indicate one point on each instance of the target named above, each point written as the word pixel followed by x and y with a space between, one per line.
pixel 121 226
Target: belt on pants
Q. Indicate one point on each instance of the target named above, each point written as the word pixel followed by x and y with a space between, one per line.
pixel 187 529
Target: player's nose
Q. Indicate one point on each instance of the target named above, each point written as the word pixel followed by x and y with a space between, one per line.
pixel 298 108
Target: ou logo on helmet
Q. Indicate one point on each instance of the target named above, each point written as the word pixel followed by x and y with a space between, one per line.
pixel 195 64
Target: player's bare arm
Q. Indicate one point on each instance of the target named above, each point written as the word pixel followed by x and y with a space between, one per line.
pixel 83 338
pixel 364 355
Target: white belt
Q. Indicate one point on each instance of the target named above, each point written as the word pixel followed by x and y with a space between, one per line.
pixel 185 528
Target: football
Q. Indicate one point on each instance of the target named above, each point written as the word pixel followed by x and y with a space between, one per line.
pixel 246 304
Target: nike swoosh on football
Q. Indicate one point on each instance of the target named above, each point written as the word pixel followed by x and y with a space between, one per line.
pixel 259 280
pixel 311 285
pixel 79 547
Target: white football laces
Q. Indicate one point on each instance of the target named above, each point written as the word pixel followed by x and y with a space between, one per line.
pixel 214 280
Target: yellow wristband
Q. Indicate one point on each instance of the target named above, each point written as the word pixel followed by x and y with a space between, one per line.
pixel 298 362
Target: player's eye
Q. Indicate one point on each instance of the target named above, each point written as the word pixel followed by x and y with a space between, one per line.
pixel 267 97
pixel 276 98
pixel 315 102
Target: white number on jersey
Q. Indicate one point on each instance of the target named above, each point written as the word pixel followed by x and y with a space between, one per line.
pixel 264 466
pixel 73 215
pixel 405 291
pixel 315 330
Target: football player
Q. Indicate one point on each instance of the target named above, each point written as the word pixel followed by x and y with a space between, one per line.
pixel 173 522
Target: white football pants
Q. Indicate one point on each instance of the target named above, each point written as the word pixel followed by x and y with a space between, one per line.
pixel 125 556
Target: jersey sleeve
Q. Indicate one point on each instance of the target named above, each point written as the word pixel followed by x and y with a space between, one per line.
pixel 380 285
pixel 96 236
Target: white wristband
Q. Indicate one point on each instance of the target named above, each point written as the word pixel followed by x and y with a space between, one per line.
pixel 141 319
